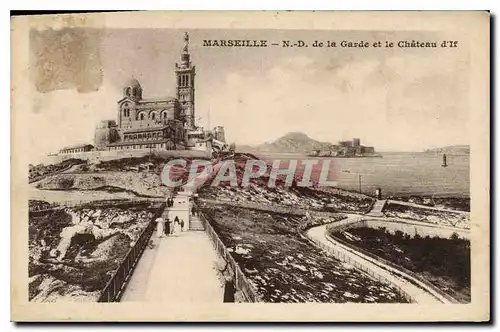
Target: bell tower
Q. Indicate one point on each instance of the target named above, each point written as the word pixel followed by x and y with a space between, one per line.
pixel 185 73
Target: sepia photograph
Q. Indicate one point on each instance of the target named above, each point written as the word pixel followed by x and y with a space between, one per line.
pixel 172 166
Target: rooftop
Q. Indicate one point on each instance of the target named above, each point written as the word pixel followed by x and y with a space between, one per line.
pixel 133 83
pixel 146 142
pixel 77 146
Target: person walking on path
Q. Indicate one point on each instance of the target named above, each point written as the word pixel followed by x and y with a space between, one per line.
pixel 170 227
pixel 167 227
pixel 176 225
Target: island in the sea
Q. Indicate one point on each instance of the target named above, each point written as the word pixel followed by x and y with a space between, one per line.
pixel 452 150
pixel 346 149
pixel 297 142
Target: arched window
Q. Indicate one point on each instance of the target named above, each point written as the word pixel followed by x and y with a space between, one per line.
pixel 129 91
pixel 153 116
pixel 126 110
pixel 141 116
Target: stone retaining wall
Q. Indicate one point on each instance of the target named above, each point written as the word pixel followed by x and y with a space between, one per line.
pixel 96 156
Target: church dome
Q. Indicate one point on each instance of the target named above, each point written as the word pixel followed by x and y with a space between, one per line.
pixel 133 83
pixel 133 89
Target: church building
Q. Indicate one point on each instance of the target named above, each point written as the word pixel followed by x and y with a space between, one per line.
pixel 153 123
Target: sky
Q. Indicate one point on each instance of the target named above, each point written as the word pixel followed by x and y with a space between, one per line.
pixel 395 99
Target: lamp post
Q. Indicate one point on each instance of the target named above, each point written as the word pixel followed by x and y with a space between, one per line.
pixel 359 180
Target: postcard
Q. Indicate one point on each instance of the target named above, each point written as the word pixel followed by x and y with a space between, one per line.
pixel 251 167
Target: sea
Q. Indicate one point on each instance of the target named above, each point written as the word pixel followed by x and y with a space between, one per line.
pixel 395 173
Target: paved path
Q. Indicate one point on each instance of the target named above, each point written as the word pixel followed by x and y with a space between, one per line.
pixel 180 269
pixel 318 235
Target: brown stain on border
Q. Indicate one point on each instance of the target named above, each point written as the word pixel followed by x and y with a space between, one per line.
pixel 67 56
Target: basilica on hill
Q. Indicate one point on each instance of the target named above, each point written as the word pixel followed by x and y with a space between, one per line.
pixel 167 123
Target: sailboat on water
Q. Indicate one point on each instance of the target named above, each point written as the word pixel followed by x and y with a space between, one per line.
pixel 444 164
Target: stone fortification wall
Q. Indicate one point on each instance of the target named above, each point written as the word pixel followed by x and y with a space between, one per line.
pixel 96 156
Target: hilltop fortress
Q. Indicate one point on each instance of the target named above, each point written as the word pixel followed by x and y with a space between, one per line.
pixel 346 149
pixel 143 125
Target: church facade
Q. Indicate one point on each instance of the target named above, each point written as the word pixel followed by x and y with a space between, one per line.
pixel 153 123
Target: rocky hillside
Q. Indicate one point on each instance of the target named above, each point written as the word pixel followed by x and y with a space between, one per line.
pixel 73 252
pixel 257 191
pixel 40 171
pixel 292 142
pixel 283 267
pixel 144 184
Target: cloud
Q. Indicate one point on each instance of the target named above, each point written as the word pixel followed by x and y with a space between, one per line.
pixel 66 117
pixel 403 102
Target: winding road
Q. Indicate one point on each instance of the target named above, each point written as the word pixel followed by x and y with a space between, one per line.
pixel 419 294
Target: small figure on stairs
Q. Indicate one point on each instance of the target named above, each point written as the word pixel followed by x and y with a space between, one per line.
pixel 168 225
pixel 159 226
pixel 175 225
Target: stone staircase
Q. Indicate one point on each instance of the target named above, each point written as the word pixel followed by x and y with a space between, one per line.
pixel 196 224
pixel 377 208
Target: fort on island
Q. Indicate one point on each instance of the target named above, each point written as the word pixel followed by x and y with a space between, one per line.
pixel 346 149
pixel 155 124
